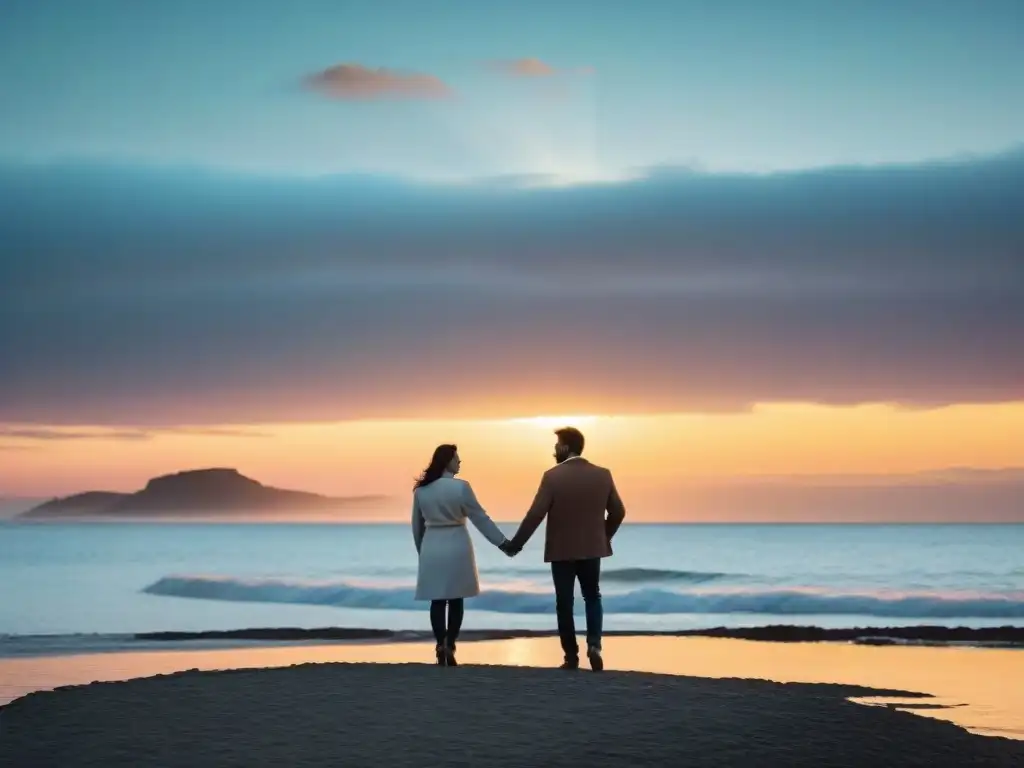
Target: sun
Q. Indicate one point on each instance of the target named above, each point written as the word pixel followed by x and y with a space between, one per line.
pixel 554 422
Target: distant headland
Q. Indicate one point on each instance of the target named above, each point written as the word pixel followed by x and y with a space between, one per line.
pixel 193 492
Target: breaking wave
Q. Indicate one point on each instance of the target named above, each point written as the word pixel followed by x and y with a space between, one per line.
pixel 774 602
pixel 635 575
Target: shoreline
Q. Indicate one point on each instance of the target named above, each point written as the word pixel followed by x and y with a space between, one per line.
pixel 53 645
pixel 999 637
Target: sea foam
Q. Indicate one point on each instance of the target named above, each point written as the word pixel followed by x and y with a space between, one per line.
pixel 648 600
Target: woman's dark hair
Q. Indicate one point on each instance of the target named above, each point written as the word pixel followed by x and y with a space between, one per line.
pixel 438 465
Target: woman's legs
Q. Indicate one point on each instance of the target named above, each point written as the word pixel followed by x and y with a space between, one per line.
pixel 437 620
pixel 456 610
pixel 446 636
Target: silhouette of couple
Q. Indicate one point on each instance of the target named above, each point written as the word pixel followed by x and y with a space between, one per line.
pixel 574 496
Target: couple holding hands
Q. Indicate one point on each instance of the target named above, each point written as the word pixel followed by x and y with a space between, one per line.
pixel 574 496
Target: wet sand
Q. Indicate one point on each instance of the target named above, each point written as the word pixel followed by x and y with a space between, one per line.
pixel 720 720
pixel 410 715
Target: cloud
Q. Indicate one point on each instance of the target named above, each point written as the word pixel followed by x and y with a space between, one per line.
pixel 162 297
pixel 525 68
pixel 534 68
pixel 46 434
pixel 216 431
pixel 354 82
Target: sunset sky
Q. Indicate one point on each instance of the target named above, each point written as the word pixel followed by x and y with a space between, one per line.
pixel 311 240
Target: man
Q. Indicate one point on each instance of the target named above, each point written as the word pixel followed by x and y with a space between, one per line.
pixel 574 496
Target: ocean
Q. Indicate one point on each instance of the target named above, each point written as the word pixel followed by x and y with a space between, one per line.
pixel 69 587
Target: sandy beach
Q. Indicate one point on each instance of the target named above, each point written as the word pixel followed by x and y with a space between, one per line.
pixel 410 715
pixel 366 704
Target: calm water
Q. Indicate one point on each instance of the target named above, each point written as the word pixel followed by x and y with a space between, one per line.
pixel 109 579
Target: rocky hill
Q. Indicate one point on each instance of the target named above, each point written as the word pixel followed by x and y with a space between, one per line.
pixel 198 491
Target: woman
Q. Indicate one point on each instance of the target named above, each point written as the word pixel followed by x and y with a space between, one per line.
pixel 447 571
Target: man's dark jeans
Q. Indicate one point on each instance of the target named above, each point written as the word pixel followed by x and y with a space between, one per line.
pixel 565 573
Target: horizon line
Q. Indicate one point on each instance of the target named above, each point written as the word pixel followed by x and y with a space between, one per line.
pixel 527 181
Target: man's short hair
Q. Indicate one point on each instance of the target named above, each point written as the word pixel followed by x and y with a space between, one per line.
pixel 571 438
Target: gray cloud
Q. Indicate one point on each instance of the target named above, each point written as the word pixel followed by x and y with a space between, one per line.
pixel 154 297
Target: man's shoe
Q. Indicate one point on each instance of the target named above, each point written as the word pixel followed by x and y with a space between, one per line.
pixel 596 661
pixel 442 657
pixel 570 664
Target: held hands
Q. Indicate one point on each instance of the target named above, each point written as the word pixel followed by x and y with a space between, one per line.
pixel 508 549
